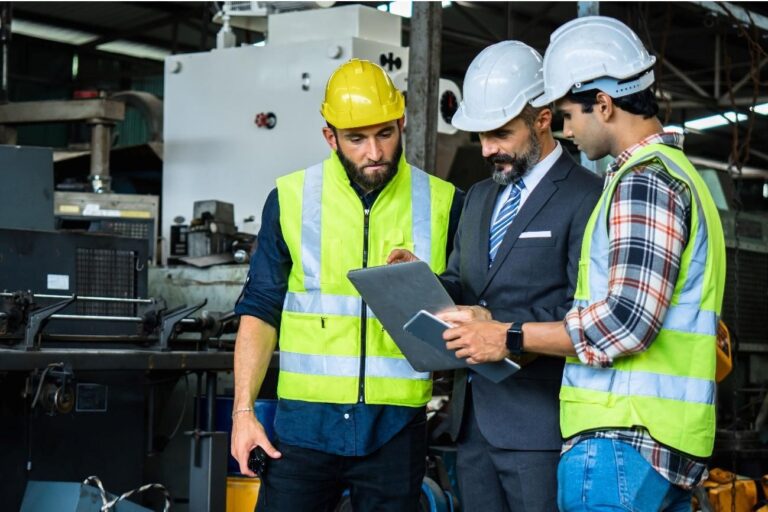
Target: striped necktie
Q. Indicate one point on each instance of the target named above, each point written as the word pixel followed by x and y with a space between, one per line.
pixel 504 218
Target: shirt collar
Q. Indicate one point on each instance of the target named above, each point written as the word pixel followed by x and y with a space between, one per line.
pixel 535 175
pixel 667 138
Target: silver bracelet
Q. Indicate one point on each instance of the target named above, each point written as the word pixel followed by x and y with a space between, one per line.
pixel 238 411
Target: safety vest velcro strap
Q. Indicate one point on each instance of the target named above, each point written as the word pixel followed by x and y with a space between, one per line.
pixel 317 303
pixel 635 383
pixel 348 366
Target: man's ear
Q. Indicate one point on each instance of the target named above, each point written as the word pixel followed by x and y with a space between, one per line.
pixel 604 107
pixel 544 120
pixel 330 138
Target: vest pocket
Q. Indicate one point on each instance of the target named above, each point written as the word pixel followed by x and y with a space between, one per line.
pixel 394 240
pixel 320 334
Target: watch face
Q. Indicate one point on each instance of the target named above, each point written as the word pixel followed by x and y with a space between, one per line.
pixel 515 340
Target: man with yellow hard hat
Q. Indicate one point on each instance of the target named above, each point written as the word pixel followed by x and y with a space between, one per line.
pixel 350 413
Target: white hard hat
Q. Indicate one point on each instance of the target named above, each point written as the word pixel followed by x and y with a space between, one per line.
pixel 593 47
pixel 501 80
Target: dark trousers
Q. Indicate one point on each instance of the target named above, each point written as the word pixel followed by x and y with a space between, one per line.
pixel 500 480
pixel 387 480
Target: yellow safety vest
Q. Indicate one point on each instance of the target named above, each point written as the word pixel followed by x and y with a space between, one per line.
pixel 332 348
pixel 670 388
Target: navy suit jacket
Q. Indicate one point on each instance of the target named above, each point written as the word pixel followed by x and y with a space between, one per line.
pixel 533 278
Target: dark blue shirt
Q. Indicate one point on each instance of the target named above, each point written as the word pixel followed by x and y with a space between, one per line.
pixel 342 429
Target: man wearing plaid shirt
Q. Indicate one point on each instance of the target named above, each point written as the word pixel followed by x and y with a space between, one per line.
pixel 637 399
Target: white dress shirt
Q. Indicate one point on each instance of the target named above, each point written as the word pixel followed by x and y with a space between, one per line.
pixel 531 179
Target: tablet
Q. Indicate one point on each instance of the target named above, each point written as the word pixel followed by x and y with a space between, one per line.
pixel 428 328
pixel 394 294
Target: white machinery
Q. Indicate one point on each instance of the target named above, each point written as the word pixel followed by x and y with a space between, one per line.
pixel 237 118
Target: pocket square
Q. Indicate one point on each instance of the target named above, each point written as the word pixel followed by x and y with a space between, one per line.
pixel 536 234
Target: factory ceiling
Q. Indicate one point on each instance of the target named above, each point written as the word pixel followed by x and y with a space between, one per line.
pixel 711 56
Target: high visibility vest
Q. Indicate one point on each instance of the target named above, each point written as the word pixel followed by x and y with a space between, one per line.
pixel 670 388
pixel 332 347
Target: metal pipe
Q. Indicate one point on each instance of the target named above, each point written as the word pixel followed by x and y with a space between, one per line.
pixel 199 408
pixel 739 13
pixel 84 297
pixel 739 102
pixel 101 139
pixel 115 318
pixel 210 381
pixel 151 419
pixel 423 84
pixel 97 317
pixel 718 51
pixel 587 9
pixel 6 17
pixel 682 76
pixel 743 81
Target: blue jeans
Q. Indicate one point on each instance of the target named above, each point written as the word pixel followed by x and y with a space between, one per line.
pixel 605 474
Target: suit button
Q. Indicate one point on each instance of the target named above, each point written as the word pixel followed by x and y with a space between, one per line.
pixel 483 303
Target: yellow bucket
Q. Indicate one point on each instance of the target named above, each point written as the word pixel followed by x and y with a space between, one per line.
pixel 242 493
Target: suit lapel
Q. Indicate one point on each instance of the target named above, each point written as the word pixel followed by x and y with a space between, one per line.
pixel 533 204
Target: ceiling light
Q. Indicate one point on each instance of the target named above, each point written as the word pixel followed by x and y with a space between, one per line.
pixel 51 33
pixel 705 123
pixel 762 109
pixel 141 51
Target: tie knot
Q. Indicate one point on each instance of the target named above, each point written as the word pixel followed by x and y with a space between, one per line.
pixel 519 184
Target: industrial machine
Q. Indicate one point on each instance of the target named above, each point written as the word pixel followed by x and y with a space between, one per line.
pixel 87 359
pixel 128 215
pixel 237 118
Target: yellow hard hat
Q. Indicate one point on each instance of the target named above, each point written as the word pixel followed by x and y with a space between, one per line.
pixel 360 93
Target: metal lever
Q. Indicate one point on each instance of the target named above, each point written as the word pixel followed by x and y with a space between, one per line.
pixel 171 319
pixel 37 320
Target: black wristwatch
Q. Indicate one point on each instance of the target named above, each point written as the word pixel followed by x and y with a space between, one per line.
pixel 515 339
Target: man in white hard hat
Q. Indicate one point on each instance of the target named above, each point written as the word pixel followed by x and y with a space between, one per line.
pixel 515 256
pixel 637 402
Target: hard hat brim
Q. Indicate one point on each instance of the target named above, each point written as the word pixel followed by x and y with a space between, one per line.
pixel 547 98
pixel 463 122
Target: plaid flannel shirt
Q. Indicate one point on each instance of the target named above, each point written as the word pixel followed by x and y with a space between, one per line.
pixel 649 223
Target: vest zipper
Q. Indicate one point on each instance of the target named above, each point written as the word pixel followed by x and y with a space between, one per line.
pixel 363 309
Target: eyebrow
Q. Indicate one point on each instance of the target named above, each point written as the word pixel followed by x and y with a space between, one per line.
pixel 361 134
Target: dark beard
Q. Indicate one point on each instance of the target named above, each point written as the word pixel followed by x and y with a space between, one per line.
pixel 521 164
pixel 374 182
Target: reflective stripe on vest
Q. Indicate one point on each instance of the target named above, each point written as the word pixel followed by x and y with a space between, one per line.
pixel 670 387
pixel 683 318
pixel 317 303
pixel 349 366
pixel 311 215
pixel 421 206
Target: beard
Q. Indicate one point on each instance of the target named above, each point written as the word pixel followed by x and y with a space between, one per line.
pixel 371 182
pixel 521 163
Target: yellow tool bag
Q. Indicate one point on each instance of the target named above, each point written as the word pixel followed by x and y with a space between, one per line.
pixel 724 353
pixel 728 492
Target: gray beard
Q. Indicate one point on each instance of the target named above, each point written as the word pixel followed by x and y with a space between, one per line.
pixel 521 165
